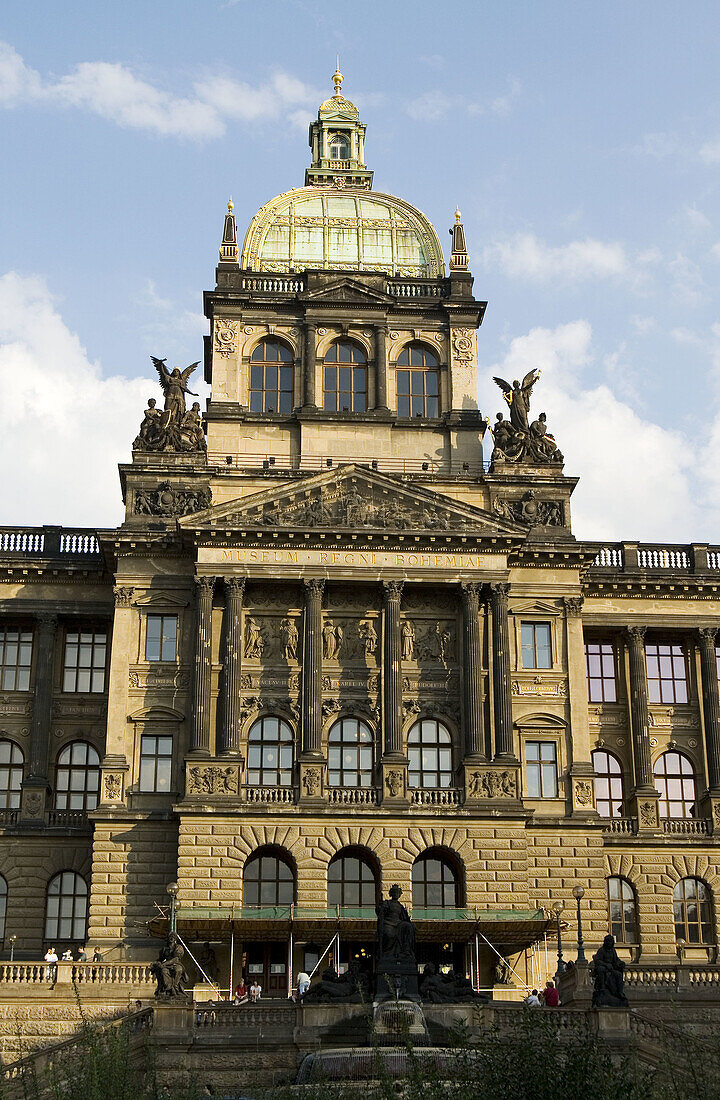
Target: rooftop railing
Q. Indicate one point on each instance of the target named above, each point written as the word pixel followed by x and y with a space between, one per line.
pixel 64 543
pixel 635 557
pixel 384 464
pixel 292 283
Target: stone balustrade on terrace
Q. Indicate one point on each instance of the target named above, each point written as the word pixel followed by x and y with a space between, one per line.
pixel 657 558
pixel 72 545
pixel 288 286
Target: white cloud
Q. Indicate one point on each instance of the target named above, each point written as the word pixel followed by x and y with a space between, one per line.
pixel 429 107
pixel 710 151
pixel 114 92
pixel 635 476
pixel 525 256
pixel 658 145
pixel 65 425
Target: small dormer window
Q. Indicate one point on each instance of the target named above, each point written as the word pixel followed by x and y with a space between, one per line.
pixel 339 147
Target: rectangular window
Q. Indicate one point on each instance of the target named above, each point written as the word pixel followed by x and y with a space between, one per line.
pixel 155 763
pixel 536 645
pixel 600 662
pixel 85 660
pixel 15 659
pixel 161 638
pixel 417 393
pixel 666 673
pixel 541 769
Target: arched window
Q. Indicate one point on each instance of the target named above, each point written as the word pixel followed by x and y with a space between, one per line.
pixel 270 753
pixel 271 377
pixel 67 903
pixel 692 909
pixel 339 147
pixel 435 882
pixel 352 882
pixel 622 910
pixel 3 906
pixel 345 378
pixel 11 775
pixel 268 879
pixel 417 381
pixel 430 754
pixel 350 754
pixel 675 782
pixel 608 784
pixel 77 777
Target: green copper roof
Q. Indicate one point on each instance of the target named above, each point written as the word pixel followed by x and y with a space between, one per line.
pixel 336 229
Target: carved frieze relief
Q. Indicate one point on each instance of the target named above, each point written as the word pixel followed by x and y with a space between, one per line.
pixel 12 705
pixel 539 686
pixel 212 779
pixel 490 783
pixel 170 500
pixel 226 336
pixel 531 510
pixel 175 679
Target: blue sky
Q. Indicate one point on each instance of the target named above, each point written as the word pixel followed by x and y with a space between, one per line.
pixel 581 142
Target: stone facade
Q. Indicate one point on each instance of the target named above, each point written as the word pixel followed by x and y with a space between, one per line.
pixel 343 551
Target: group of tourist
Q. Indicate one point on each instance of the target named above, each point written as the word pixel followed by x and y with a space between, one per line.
pixel 548 997
pixel 52 959
pixel 245 993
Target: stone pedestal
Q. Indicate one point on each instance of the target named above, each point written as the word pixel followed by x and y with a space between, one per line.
pixel 492 787
pixel 393 774
pixel 312 783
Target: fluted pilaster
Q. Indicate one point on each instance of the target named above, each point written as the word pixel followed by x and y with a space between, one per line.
pixel 639 711
pixel 472 671
pixel 501 670
pixel 200 742
pixel 711 703
pixel 229 739
pixel 312 666
pixel 392 667
pixel 309 396
pixel 42 702
pixel 380 367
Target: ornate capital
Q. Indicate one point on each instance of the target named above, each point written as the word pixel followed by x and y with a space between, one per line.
pixel 573 606
pixel 471 591
pixel 707 635
pixel 235 586
pixel 205 585
pixel 47 621
pixel 499 591
pixel 123 596
pixel 314 588
pixel 636 635
pixel 393 590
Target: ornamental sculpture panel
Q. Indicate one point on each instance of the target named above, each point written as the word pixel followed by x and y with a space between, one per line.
pixel 167 500
pixel 213 780
pixel 493 785
pixel 517 439
pixel 175 428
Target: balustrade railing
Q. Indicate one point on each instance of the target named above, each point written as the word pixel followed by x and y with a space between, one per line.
pixel 90 973
pixel 67 819
pixel 49 542
pixel 280 1017
pixel 352 796
pixel 436 796
pixel 631 557
pixel 686 826
pixel 273 284
pixel 651 977
pixel 272 795
pixel 9 817
pixel 418 289
pixel 626 825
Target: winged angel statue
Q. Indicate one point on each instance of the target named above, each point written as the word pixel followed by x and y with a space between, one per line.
pixel 174 429
pixel 517 439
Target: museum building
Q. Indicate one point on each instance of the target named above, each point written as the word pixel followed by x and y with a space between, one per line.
pixel 345 638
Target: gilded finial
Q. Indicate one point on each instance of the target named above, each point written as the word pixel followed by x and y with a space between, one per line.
pixel 337 77
pixel 231 206
pixel 458 215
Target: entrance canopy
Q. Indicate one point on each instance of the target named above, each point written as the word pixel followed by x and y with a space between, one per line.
pixel 507 929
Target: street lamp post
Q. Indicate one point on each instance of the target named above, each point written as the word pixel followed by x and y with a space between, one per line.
pixel 578 894
pixel 557 909
pixel 172 889
pixel 11 941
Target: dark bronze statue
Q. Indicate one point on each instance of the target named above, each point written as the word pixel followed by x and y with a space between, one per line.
pixel 169 971
pixel 607 972
pixel 396 974
pixel 449 988
pixel 516 439
pixel 347 988
pixel 174 429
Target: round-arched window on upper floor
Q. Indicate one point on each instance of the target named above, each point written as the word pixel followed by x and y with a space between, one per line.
pixel 77 777
pixel 675 783
pixel 350 754
pixel 430 755
pixel 268 879
pixel 608 784
pixel 417 382
pixel 270 753
pixel 67 908
pixel 345 378
pixel 352 881
pixel 692 910
pixel 622 910
pixel 3 905
pixel 12 763
pixel 435 882
pixel 271 377
pixel 339 147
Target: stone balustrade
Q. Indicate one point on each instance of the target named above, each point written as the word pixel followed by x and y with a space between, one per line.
pixel 633 557
pixel 440 796
pixel 352 796
pixel 69 973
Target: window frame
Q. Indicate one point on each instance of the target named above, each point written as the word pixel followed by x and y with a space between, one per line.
pixel 532 765
pixel 683 903
pixel 614 779
pixel 17 667
pixel 359 366
pixel 94 631
pixel 59 936
pixel 89 792
pixel 606 650
pixel 417 749
pixel 449 879
pixel 283 772
pixel 667 685
pixel 258 857
pixel 336 137
pixel 10 795
pixel 163 658
pixel 534 624
pixel 159 760
pixel 357 776
pixel 619 925
pixel 368 891
pixel 262 405
pixel 684 777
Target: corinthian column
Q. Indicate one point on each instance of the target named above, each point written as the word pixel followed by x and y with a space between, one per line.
pixel 711 703
pixel 472 670
pixel 392 668
pixel 381 367
pixel 501 670
pixel 42 702
pixel 203 666
pixel 312 666
pixel 229 733
pixel 639 712
pixel 309 398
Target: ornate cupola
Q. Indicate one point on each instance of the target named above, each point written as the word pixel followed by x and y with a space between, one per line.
pixel 229 248
pixel 337 141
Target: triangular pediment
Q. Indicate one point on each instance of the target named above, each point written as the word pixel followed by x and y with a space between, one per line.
pixel 355 499
pixel 346 289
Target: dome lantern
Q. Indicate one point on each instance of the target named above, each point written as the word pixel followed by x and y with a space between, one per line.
pixel 337 140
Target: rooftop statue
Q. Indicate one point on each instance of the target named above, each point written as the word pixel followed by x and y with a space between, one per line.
pixel 174 429
pixel 517 439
